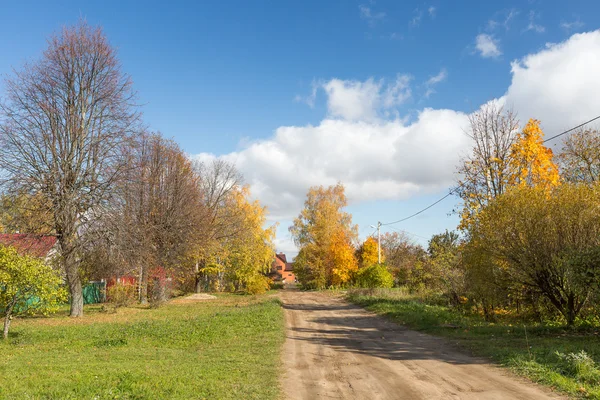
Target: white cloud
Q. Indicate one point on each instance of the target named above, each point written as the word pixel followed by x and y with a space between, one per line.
pixel 371 17
pixel 416 19
pixel 503 18
pixel 356 100
pixel 434 80
pixel 375 160
pixel 391 158
pixel 487 46
pixel 532 26
pixel 560 84
pixel 311 98
pixel 572 25
pixel 431 10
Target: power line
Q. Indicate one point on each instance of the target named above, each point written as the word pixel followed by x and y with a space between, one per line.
pixel 570 130
pixel 462 184
pixel 408 233
pixel 419 212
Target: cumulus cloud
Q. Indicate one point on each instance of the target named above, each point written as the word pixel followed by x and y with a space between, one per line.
pixel 487 46
pixel 375 160
pixel 560 84
pixel 357 100
pixel 393 158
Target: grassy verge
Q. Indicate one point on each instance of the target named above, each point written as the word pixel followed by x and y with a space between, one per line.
pixel 529 350
pixel 226 348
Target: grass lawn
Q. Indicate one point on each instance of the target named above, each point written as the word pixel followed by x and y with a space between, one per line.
pixel 532 355
pixel 226 348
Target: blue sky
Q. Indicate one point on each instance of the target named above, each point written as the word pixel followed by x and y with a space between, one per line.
pixel 224 77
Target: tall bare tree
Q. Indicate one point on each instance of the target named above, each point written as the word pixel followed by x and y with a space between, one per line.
pixel 219 182
pixel 484 173
pixel 157 216
pixel 63 126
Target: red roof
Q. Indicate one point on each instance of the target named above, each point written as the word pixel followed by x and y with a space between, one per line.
pixel 281 256
pixel 289 267
pixel 33 245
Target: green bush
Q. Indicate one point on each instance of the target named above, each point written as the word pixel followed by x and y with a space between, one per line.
pixel 580 366
pixel 375 276
pixel 258 284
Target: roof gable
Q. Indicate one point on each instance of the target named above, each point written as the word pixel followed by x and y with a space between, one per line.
pixel 33 245
pixel 282 257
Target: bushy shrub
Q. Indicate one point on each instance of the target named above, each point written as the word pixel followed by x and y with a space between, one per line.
pixel 258 284
pixel 121 295
pixel 580 366
pixel 375 276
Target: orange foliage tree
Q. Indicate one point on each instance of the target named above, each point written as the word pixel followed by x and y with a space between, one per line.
pixel 531 162
pixel 367 253
pixel 325 235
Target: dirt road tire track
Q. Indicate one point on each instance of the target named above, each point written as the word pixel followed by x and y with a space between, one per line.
pixel 336 350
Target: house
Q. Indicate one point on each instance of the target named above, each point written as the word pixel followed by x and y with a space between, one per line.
pixel 41 246
pixel 282 270
pixel 46 247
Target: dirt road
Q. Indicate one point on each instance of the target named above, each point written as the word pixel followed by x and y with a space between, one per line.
pixel 335 350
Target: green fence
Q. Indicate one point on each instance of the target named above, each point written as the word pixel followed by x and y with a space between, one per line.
pixel 94 292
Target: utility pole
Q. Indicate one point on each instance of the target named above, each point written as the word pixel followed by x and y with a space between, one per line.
pixel 379 242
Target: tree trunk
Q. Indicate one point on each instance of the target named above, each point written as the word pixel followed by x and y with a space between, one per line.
pixel 75 289
pixel 73 278
pixel 8 317
pixel 571 314
pixel 198 283
pixel 144 285
pixel 6 326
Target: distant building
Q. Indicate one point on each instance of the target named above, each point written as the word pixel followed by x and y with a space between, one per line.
pixel 282 270
pixel 41 246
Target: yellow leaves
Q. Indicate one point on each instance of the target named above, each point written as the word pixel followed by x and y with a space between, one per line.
pixel 28 284
pixel 368 253
pixel 531 162
pixel 324 233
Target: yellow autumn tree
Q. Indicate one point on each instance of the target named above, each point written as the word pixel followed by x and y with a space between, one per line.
pixel 531 163
pixel 250 250
pixel 239 258
pixel 502 158
pixel 367 253
pixel 324 234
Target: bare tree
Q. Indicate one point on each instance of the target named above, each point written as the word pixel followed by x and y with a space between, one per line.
pixel 156 218
pixel 484 173
pixel 580 156
pixel 218 181
pixel 63 127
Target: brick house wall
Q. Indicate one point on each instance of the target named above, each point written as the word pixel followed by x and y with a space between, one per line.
pixel 282 269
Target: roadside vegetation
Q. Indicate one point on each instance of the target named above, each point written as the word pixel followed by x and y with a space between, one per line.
pixel 121 200
pixel 525 257
pixel 565 358
pixel 227 348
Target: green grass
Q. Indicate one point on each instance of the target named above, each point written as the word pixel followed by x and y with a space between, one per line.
pixel 532 355
pixel 220 349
